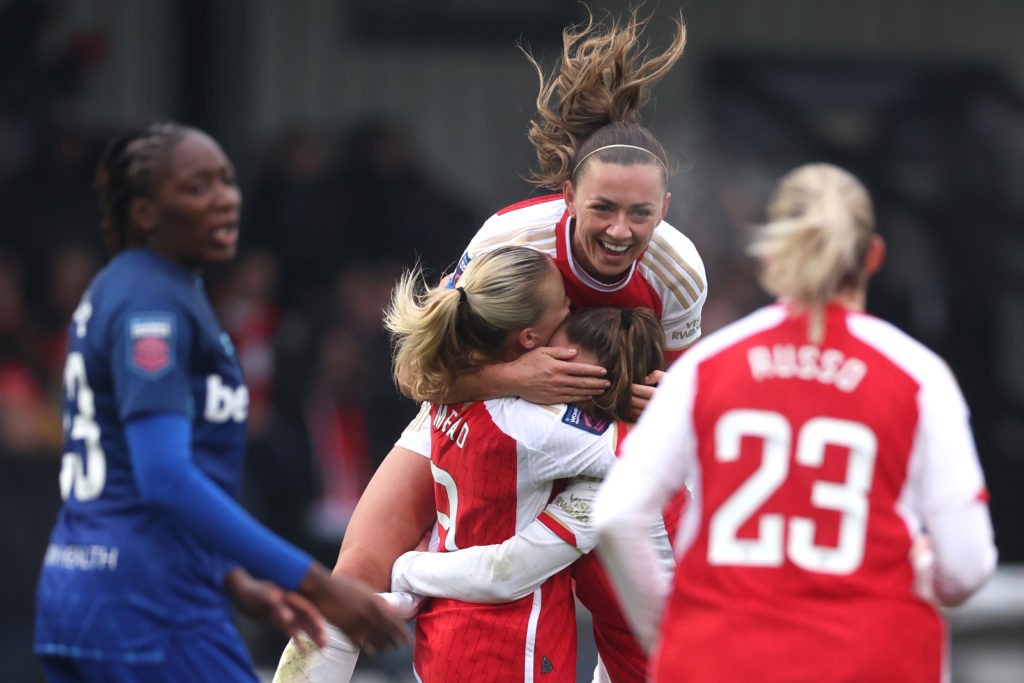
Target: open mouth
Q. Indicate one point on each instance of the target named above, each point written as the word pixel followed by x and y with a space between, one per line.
pixel 226 235
pixel 614 248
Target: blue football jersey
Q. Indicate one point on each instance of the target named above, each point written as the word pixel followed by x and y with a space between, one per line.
pixel 117 574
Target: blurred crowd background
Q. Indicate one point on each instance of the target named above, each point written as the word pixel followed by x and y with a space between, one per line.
pixel 369 134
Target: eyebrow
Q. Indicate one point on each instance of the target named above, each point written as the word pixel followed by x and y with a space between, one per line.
pixel 605 200
pixel 199 171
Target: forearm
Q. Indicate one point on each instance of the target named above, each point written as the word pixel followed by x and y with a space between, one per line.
pixel 493 573
pixel 965 554
pixel 490 381
pixel 168 479
pixel 510 570
pixel 395 511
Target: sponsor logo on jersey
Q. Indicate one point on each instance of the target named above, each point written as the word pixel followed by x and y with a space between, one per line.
pixel 580 420
pixel 546 666
pixel 224 403
pixel 150 343
pixel 692 329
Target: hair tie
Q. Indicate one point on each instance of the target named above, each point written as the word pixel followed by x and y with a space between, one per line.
pixel 462 295
pixel 627 318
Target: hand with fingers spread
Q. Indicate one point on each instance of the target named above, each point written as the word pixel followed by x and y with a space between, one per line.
pixel 549 375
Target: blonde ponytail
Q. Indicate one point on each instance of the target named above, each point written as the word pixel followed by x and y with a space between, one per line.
pixel 820 223
pixel 441 333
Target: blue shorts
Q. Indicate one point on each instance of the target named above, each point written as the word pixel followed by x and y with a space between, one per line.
pixel 210 653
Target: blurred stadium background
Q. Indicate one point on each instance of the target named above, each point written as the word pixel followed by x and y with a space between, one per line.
pixel 370 133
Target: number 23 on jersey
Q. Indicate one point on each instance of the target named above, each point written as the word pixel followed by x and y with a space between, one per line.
pixel 779 536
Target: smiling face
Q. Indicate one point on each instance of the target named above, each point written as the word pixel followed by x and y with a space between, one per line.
pixel 615 209
pixel 192 215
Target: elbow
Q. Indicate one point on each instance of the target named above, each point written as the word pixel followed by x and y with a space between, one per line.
pixel 164 490
pixel 953 588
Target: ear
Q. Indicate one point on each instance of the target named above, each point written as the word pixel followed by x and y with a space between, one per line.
pixel 528 339
pixel 143 213
pixel 876 255
pixel 668 201
pixel 569 194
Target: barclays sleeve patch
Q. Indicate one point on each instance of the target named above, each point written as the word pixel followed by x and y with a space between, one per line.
pixel 580 420
pixel 151 344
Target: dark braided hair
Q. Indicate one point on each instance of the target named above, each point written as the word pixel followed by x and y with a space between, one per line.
pixel 125 172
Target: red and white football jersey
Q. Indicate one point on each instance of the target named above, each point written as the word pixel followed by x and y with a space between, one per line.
pixel 668 278
pixel 495 464
pixel 811 468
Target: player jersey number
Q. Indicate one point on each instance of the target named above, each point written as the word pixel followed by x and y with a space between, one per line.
pixel 446 520
pixel 779 537
pixel 83 476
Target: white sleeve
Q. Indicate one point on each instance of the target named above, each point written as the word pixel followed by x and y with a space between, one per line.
pixel 335 662
pixel 514 568
pixel 953 493
pixel 965 554
pixel 561 440
pixel 406 605
pixel 675 269
pixel 416 436
pixel 658 456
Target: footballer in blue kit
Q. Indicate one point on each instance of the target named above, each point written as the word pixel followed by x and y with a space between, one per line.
pixel 151 542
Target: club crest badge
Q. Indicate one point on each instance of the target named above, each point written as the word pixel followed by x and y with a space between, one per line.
pixel 150 344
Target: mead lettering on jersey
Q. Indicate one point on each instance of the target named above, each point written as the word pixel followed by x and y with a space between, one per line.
pixel 449 422
pixel 806 362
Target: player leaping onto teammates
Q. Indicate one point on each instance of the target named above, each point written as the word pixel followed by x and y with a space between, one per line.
pixel 606 232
